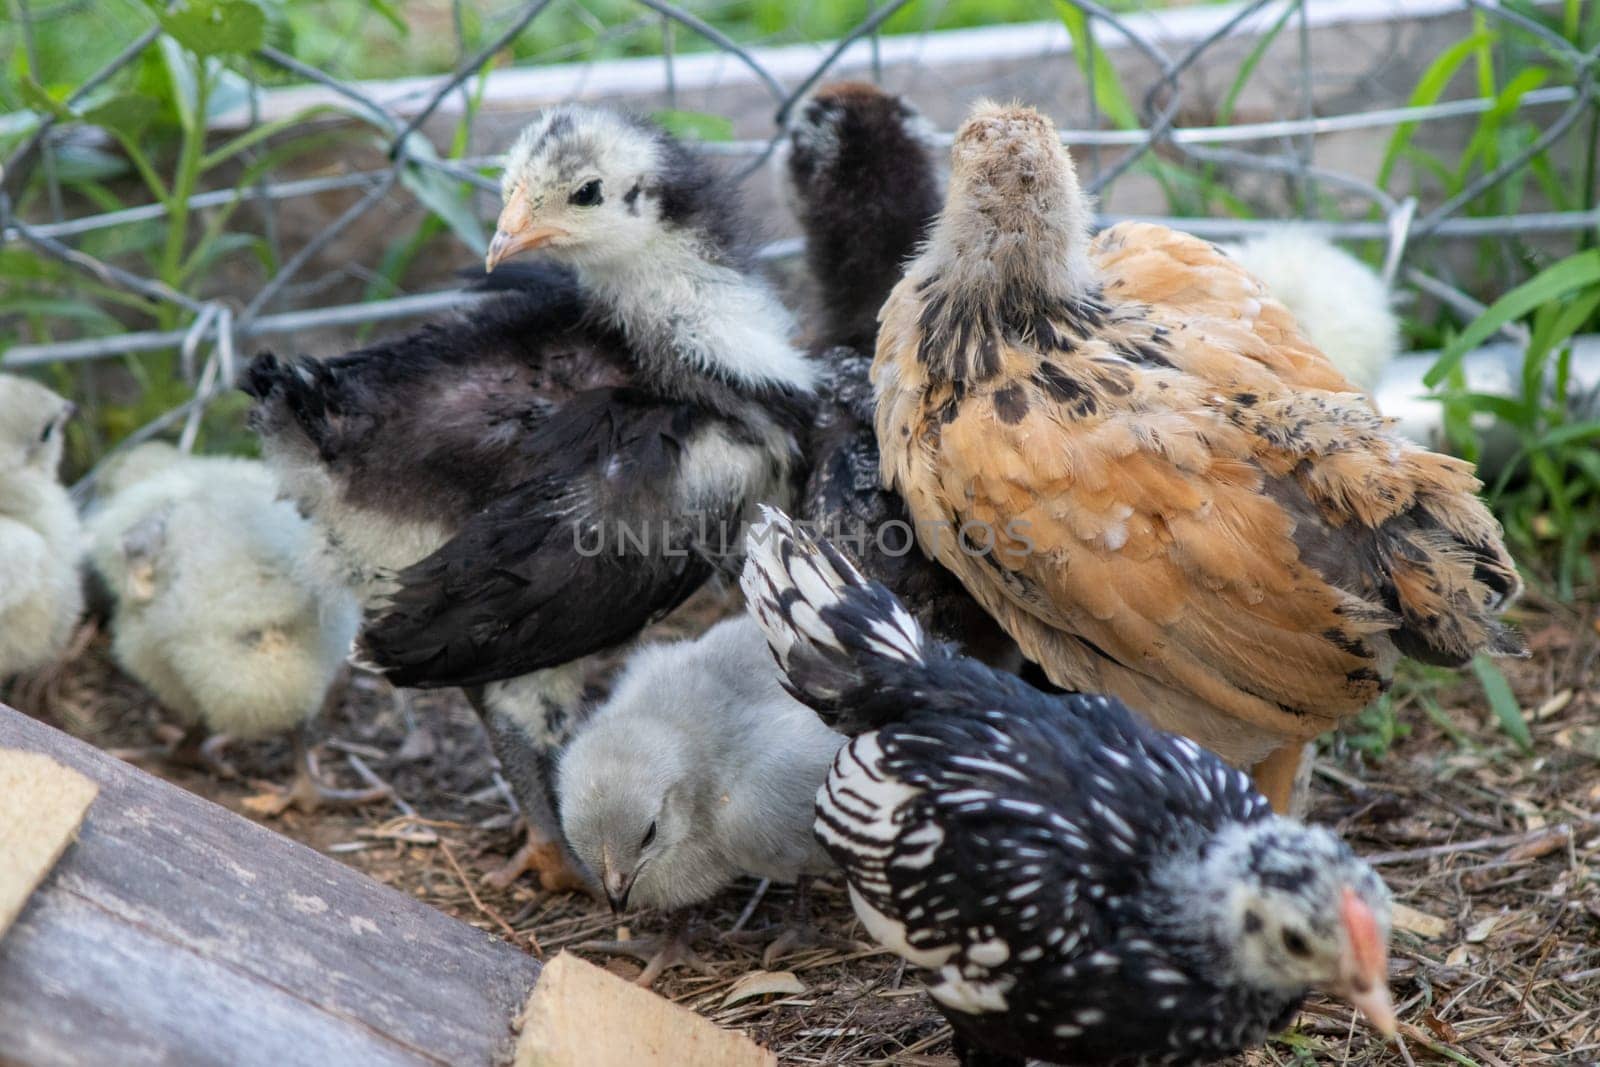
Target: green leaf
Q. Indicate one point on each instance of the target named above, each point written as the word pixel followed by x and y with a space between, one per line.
pixel 1502 701
pixel 1108 94
pixel 80 310
pixel 217 27
pixel 128 114
pixel 391 15
pixel 443 196
pixel 695 125
pixel 85 163
pixel 1251 61
pixel 1553 283
pixel 39 98
pixel 1431 86
pixel 183 91
pixel 1566 435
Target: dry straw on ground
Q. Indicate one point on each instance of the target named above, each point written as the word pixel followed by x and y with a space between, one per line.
pixel 1494 856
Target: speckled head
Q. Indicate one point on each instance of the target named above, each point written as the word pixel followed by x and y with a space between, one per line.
pixel 32 425
pixel 1300 911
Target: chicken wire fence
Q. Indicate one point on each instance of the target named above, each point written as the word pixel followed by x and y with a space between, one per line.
pixel 1162 127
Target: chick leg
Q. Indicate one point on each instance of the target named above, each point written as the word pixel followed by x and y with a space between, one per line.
pixel 1276 775
pixel 673 948
pixel 545 859
pixel 798 931
pixel 529 720
pixel 307 793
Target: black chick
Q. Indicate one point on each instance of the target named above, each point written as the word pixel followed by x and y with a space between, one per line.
pixel 533 482
pixel 1080 887
pixel 862 179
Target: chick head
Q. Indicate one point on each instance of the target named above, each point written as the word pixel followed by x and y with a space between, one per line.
pixel 588 184
pixel 848 129
pixel 1010 175
pixel 627 805
pixel 32 425
pixel 1302 910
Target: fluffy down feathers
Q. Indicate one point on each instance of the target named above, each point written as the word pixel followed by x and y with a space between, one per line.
pixel 41 595
pixel 1337 301
pixel 1130 455
pixel 225 610
pixel 700 756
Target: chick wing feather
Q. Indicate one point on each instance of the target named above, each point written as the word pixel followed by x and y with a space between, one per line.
pixel 514 590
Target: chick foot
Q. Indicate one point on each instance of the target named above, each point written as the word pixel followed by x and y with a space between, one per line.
pixel 796 933
pixel 193 748
pixel 675 948
pixel 546 860
pixel 308 792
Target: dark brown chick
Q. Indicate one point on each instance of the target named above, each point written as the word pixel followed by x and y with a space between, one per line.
pixel 865 187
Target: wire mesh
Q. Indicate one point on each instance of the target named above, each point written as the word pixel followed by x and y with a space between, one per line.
pixel 1282 148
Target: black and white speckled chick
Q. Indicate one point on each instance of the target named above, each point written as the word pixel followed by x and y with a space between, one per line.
pixel 860 169
pixel 1080 887
pixel 534 481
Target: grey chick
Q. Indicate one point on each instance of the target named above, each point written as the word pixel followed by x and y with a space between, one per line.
pixel 41 596
pixel 224 604
pixel 698 770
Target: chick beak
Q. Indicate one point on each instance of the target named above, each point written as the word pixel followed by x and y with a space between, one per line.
pixel 1364 964
pixel 617 884
pixel 515 233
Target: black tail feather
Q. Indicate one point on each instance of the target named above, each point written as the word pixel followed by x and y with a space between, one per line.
pixel 842 640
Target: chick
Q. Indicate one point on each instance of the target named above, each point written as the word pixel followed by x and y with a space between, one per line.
pixel 1337 301
pixel 860 171
pixel 1080 887
pixel 223 608
pixel 1130 456
pixel 698 770
pixel 530 484
pixel 41 596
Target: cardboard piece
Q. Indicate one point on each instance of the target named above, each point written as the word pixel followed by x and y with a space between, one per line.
pixel 582 1016
pixel 41 805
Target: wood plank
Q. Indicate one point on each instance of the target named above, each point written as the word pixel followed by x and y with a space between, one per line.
pixel 582 1016
pixel 41 805
pixel 177 932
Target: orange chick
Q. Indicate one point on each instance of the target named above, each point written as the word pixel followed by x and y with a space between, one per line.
pixel 1132 457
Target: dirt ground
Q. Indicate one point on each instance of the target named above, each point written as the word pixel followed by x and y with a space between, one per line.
pixel 1492 853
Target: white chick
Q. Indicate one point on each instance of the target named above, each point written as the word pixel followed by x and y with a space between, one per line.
pixel 700 768
pixel 224 607
pixel 41 596
pixel 1339 302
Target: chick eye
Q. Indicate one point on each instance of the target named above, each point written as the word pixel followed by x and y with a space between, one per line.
pixel 48 432
pixel 587 194
pixel 1295 942
pixel 649 836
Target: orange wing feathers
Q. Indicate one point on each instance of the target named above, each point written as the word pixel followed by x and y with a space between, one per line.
pixel 1192 508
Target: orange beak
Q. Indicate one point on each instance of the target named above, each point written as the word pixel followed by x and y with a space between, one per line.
pixel 515 233
pixel 1364 964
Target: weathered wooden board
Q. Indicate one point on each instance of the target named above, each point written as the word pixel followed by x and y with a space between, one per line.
pixel 176 932
pixel 581 1016
pixel 41 805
